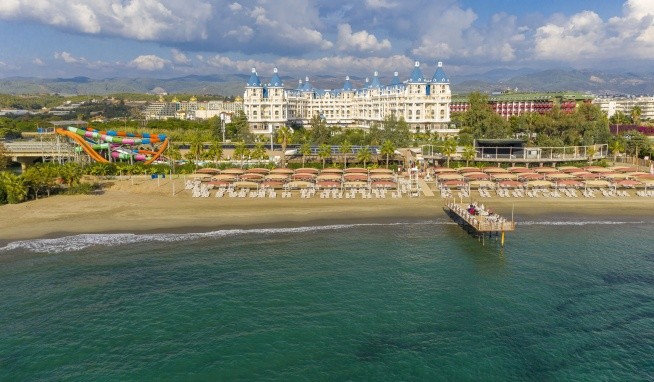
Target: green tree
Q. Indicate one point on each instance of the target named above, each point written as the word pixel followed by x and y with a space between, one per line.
pixel 284 137
pixel 449 149
pixel 387 149
pixel 14 187
pixel 305 149
pixel 241 152
pixel 324 152
pixel 71 174
pixel 40 178
pixel 4 156
pixel 481 120
pixel 636 112
pixel 345 150
pixel 364 155
pixel 215 152
pixel 469 153
pixel 320 132
pixel 239 129
pixel 259 151
pixel 173 152
pixel 196 148
pixel 396 130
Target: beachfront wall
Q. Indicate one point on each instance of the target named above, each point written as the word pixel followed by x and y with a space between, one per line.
pixel 509 154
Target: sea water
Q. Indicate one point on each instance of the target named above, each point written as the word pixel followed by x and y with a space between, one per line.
pixel 565 299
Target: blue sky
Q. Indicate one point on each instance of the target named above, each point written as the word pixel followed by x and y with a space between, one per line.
pixel 170 38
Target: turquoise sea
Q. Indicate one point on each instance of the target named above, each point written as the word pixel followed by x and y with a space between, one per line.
pixel 567 299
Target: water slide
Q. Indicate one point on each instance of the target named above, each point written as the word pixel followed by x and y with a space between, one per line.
pixel 112 138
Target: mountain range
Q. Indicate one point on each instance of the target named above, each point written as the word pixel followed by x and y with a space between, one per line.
pixel 523 80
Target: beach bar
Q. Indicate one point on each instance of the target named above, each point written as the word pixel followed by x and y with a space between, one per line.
pixel 479 221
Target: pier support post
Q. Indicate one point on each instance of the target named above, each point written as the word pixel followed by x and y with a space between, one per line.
pixel 502 241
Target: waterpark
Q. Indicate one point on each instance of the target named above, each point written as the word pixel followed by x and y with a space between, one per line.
pixel 107 146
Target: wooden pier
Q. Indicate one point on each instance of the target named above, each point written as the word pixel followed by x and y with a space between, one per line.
pixel 480 224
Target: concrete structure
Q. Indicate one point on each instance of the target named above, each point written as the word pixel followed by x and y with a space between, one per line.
pixel 424 103
pixel 612 105
pixel 191 109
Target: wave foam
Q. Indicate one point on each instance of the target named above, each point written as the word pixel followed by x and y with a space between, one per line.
pixel 579 223
pixel 82 241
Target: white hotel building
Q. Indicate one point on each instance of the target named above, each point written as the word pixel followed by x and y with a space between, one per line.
pixel 424 103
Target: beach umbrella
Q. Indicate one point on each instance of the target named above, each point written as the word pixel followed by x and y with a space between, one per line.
pixel 251 176
pixel 504 176
pixel 598 169
pixel 559 175
pixel 623 168
pixel 539 183
pixel 628 183
pixel 331 170
pixel 541 170
pixel 462 170
pixel 586 175
pixel 569 183
pixel 218 183
pixel 482 183
pixel 258 170
pixel 356 169
pixel 597 183
pixel 380 171
pixel 303 176
pixel 356 176
pixel 380 176
pixel 519 169
pixel 476 176
pixel 615 175
pixel 440 170
pixel 452 176
pixel 309 170
pixel 224 177
pixel 281 170
pixel 494 170
pixel 645 177
pixel 276 176
pixel 568 168
pixel 323 176
pixel 207 170
pixel 530 176
pixel 199 176
pixel 237 171
pixel 636 173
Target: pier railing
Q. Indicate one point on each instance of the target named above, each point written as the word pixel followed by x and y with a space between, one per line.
pixel 481 223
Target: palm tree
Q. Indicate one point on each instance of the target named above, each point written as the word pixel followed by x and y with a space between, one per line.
pixel 590 153
pixel 196 148
pixel 284 137
pixel 469 153
pixel 636 112
pixel 259 151
pixel 240 151
pixel 388 149
pixel 617 146
pixel 364 155
pixel 324 152
pixel 449 148
pixel 305 149
pixel 345 149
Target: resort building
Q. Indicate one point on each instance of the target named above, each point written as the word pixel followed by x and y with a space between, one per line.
pixel 514 104
pixel 191 109
pixel 424 103
pixel 625 105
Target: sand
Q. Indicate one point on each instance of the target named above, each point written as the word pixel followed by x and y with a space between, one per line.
pixel 145 205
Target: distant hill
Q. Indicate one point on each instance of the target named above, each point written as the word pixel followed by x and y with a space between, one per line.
pixel 524 80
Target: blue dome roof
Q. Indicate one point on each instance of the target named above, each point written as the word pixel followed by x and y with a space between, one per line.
pixel 375 81
pixel 275 81
pixel 347 85
pixel 439 75
pixel 254 79
pixel 416 74
pixel 396 79
pixel 307 86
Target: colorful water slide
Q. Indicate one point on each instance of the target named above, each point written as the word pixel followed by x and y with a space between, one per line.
pixel 83 144
pixel 118 142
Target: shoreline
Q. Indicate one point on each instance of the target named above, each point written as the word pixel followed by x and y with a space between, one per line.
pixel 147 207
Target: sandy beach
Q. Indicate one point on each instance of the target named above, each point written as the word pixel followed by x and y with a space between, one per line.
pixel 146 205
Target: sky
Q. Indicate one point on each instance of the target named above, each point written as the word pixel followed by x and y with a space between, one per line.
pixel 173 38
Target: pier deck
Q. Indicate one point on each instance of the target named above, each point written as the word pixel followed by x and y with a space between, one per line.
pixel 481 224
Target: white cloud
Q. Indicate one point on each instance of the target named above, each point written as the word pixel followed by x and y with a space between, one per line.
pixel 38 62
pixel 179 58
pixel 148 62
pixel 167 20
pixel 359 41
pixel 235 7
pixel 374 4
pixel 68 58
